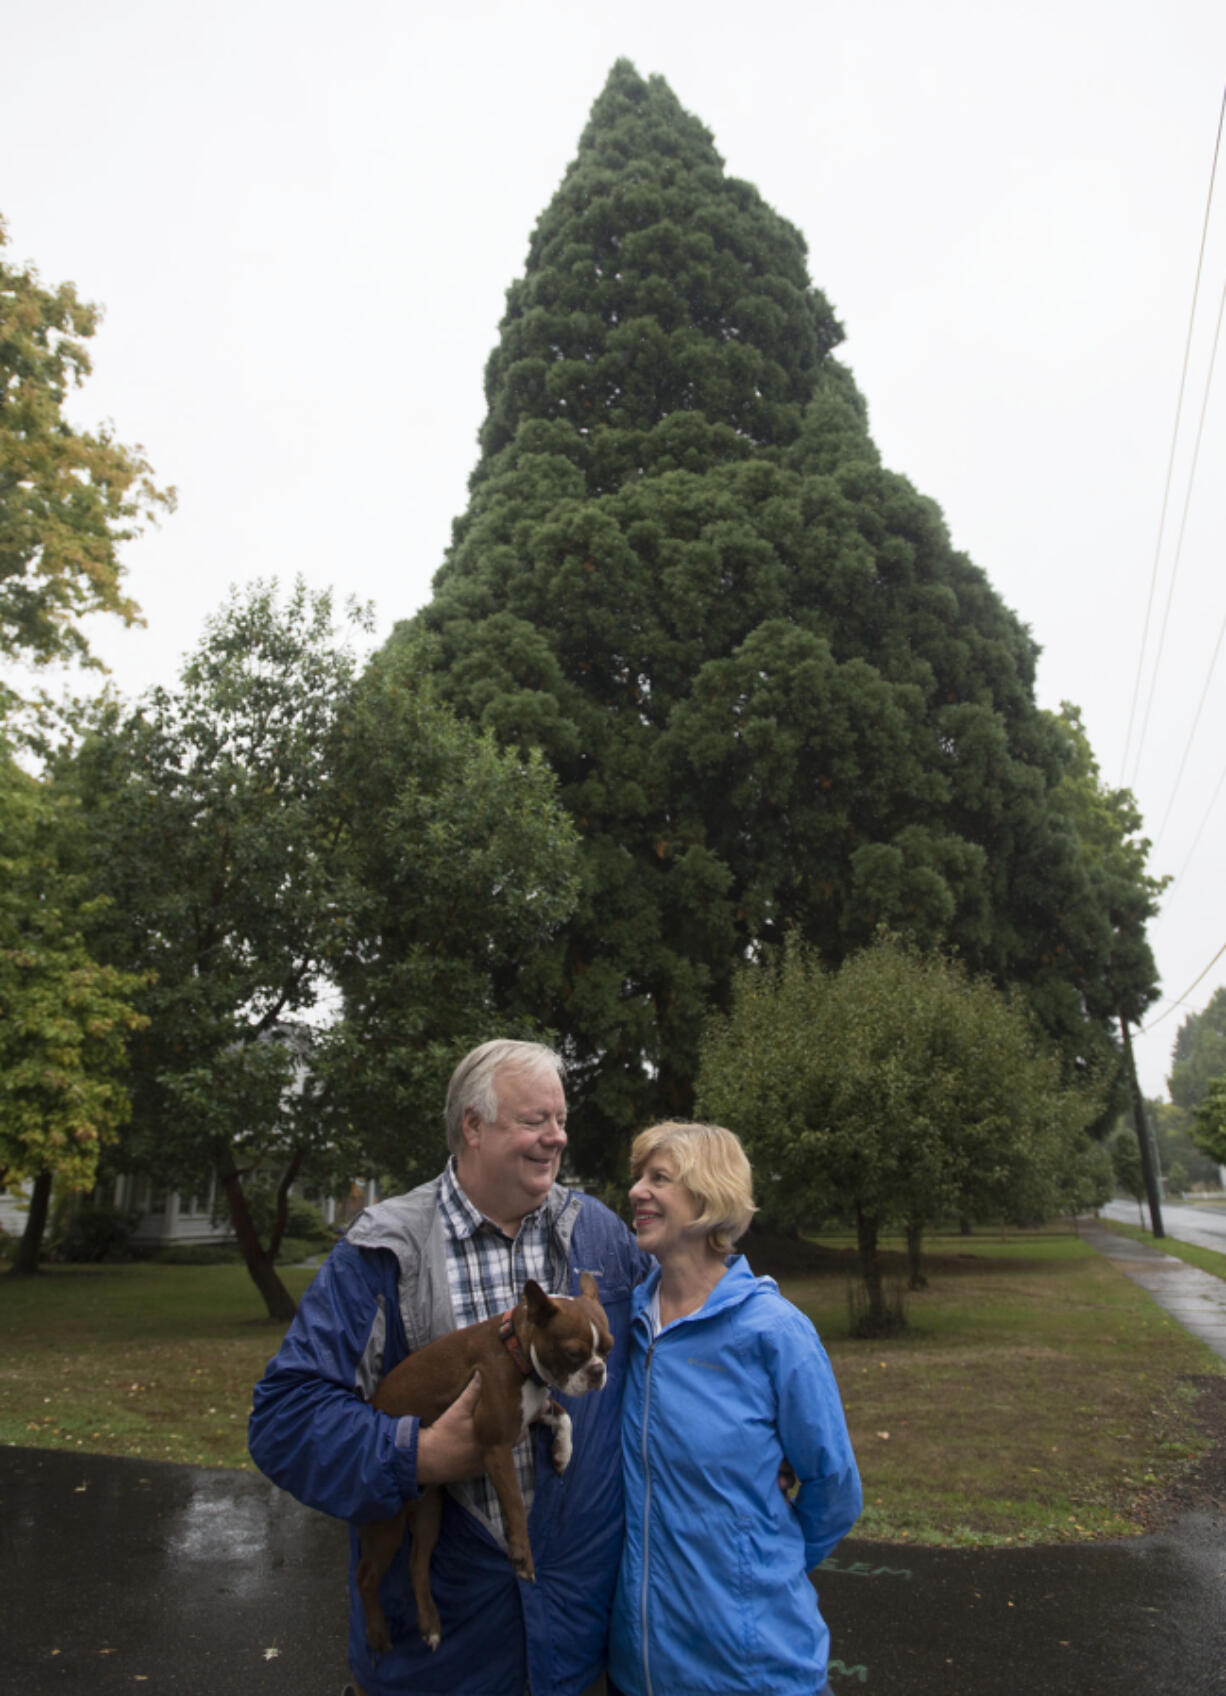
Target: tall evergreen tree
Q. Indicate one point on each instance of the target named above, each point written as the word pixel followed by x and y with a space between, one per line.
pixel 773 693
pixel 1199 1054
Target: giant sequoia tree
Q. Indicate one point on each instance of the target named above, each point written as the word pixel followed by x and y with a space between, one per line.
pixel 773 693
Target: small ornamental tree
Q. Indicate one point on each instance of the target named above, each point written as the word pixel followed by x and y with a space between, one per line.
pixel 896 1090
pixel 1126 1165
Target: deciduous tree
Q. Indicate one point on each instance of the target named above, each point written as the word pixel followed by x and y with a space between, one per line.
pixel 273 835
pixel 895 1091
pixel 1210 1127
pixel 64 1019
pixel 1199 1054
pixel 69 498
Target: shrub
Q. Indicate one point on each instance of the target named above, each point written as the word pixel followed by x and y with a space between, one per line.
pixel 294 1249
pixel 196 1254
pixel 95 1231
pixel 304 1221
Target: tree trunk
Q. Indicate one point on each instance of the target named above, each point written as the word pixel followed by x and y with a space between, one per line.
pixel 25 1261
pixel 870 1272
pixel 1141 1124
pixel 915 1256
pixel 260 1264
pixel 288 1178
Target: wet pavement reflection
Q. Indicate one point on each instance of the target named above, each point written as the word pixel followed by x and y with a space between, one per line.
pixel 127 1576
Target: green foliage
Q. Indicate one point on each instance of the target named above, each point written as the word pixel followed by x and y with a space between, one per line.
pixel 459 866
pixel 65 1019
pixel 1109 963
pixel 1199 1053
pixel 1126 1163
pixel 1209 1129
pixel 1178 1153
pixel 196 1254
pixel 303 1220
pixel 1093 1178
pixel 95 1232
pixel 69 498
pixel 206 834
pixel 277 833
pixel 773 694
pixel 898 1089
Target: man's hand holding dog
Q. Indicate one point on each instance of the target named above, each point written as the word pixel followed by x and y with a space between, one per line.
pixel 447 1451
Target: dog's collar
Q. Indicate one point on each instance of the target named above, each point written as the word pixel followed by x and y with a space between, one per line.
pixel 506 1330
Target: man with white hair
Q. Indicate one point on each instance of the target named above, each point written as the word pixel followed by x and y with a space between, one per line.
pixel 452 1252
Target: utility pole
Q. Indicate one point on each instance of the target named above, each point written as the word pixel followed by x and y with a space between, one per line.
pixel 1141 1123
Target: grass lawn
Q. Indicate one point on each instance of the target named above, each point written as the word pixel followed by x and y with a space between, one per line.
pixel 1039 1395
pixel 148 1360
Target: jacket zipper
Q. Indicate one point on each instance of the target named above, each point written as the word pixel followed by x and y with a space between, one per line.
pixel 646 1517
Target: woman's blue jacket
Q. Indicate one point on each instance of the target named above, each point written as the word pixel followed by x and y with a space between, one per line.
pixel 713 1595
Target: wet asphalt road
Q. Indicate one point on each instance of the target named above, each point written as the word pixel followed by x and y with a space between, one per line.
pixel 134 1577
pixel 128 1577
pixel 1202 1223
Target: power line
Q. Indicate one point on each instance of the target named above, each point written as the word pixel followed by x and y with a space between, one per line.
pixel 1187 747
pixel 1183 525
pixel 1153 581
pixel 1187 991
pixel 1200 830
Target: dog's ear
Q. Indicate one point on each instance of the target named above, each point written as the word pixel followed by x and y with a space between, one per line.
pixel 539 1306
pixel 589 1286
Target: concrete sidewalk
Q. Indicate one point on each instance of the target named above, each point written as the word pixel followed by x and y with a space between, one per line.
pixel 1196 1299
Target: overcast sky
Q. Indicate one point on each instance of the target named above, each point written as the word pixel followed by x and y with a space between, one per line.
pixel 301 220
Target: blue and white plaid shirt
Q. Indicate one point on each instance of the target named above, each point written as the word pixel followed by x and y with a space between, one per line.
pixel 486 1271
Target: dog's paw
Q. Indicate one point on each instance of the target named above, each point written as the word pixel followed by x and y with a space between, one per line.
pixel 563 1445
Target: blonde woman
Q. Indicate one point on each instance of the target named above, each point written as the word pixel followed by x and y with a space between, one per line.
pixel 727 1384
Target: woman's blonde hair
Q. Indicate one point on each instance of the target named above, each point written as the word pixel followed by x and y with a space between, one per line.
pixel 712 1166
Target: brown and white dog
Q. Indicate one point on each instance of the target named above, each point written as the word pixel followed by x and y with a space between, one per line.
pixel 545 1343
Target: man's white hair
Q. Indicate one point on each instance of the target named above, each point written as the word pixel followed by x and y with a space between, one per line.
pixel 474 1081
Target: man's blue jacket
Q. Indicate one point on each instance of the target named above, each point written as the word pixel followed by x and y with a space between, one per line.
pixel 382 1292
